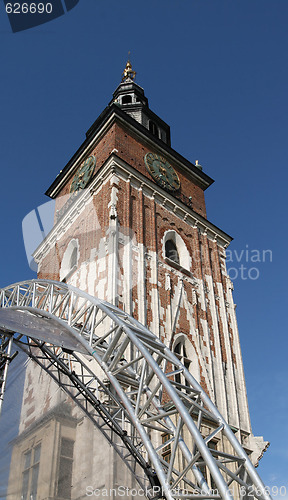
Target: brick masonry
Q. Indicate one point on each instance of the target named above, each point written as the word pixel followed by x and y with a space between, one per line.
pixel 206 310
pixel 120 232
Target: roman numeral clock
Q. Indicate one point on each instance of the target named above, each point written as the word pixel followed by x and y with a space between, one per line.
pixel 163 173
pixel 83 174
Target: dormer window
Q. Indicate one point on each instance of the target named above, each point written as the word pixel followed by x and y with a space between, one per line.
pixel 171 251
pixel 126 99
pixel 153 128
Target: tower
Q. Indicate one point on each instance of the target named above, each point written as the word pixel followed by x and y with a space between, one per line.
pixel 131 228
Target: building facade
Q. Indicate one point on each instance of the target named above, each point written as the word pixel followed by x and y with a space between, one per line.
pixel 131 228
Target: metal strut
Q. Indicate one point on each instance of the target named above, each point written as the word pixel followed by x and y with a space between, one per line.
pixel 85 345
pixel 6 342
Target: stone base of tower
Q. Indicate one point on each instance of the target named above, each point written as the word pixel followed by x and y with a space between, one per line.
pixel 60 450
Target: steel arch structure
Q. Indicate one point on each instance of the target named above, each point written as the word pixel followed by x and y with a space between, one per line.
pixel 128 383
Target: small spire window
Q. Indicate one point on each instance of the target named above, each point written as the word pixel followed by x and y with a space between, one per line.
pixel 126 99
pixel 153 128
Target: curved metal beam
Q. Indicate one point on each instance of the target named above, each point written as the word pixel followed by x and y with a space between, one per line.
pixel 145 405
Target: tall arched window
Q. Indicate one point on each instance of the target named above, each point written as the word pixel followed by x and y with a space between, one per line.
pixel 175 249
pixel 171 251
pixel 180 351
pixel 70 260
pixel 73 258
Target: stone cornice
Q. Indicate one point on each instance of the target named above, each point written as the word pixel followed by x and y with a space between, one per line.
pixel 72 212
pixel 172 204
pixel 80 155
pixel 155 143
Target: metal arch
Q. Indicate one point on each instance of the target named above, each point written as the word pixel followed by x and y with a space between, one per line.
pixel 140 399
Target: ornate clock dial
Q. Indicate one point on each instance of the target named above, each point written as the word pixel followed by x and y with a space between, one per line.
pixel 161 170
pixel 83 174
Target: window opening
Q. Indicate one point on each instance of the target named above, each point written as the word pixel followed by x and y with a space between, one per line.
pixel 73 258
pixel 31 473
pixel 65 468
pixel 166 452
pixel 126 99
pixel 69 260
pixel 205 470
pixel 171 251
pixel 181 354
pixel 153 128
pixel 213 446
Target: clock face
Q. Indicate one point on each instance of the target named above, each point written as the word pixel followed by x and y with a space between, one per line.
pixel 83 174
pixel 161 170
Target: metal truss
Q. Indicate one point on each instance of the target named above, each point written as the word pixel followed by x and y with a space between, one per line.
pixel 6 357
pixel 134 389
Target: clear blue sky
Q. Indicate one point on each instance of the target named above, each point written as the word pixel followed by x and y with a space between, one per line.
pixel 216 71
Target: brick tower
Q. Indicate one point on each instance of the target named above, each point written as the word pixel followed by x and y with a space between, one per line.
pixel 131 228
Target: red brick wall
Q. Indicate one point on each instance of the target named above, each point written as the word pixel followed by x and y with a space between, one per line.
pixel 132 150
pixel 205 307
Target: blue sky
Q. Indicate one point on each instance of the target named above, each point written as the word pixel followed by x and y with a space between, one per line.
pixel 216 71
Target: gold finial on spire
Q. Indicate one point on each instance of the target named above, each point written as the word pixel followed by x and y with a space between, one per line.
pixel 128 73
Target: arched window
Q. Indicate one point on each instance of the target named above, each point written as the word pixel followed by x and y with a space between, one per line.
pixel 171 251
pixel 70 260
pixel 126 99
pixel 153 128
pixel 73 258
pixel 175 250
pixel 205 470
pixel 180 351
